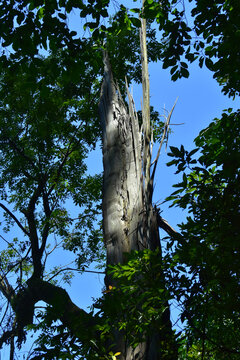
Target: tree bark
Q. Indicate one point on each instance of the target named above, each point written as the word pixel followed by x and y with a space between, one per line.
pixel 129 219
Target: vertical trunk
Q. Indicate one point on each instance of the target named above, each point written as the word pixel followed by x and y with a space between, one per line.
pixel 123 197
pixel 129 219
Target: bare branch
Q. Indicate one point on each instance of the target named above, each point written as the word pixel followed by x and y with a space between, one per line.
pixel 68 152
pixel 33 235
pixel 46 228
pixel 161 142
pixel 66 155
pixel 163 224
pixel 78 270
pixel 5 313
pixel 11 245
pixel 146 109
pixel 6 289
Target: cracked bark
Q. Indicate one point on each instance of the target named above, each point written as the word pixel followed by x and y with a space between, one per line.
pixel 130 222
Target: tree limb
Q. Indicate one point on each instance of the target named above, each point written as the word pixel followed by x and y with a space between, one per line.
pixel 33 235
pixel 79 270
pixel 166 125
pixel 6 289
pixel 46 228
pixel 163 224
pixel 59 170
pixel 22 153
pixel 14 218
pixel 74 318
pixel 146 109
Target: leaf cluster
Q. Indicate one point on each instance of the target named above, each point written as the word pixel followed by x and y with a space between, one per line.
pixel 212 39
pixel 208 248
pixel 136 300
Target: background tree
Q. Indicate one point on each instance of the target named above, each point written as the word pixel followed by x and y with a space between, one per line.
pixel 47 129
pixel 209 243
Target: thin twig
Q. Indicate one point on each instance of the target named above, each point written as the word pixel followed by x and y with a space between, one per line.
pixel 5 312
pixel 162 140
pixel 72 269
pixel 11 245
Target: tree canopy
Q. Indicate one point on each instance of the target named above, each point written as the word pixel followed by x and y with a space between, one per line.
pixel 208 245
pixel 50 86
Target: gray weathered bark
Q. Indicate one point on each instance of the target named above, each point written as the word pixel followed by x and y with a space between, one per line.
pixel 123 198
pixel 130 222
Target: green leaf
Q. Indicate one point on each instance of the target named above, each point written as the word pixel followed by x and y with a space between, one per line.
pixel 62 16
pixel 184 72
pixel 135 21
pixel 209 64
pixel 192 152
pixel 175 151
pixel 20 18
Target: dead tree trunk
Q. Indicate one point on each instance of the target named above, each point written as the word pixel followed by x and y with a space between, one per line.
pixel 129 218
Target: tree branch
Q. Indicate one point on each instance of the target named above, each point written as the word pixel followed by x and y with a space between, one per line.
pixel 22 153
pixel 78 270
pixel 166 125
pixel 6 289
pixel 163 224
pixel 59 170
pixel 74 318
pixel 14 218
pixel 33 235
pixel 46 228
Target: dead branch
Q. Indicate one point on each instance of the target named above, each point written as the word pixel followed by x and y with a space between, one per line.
pixel 165 131
pixel 163 224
